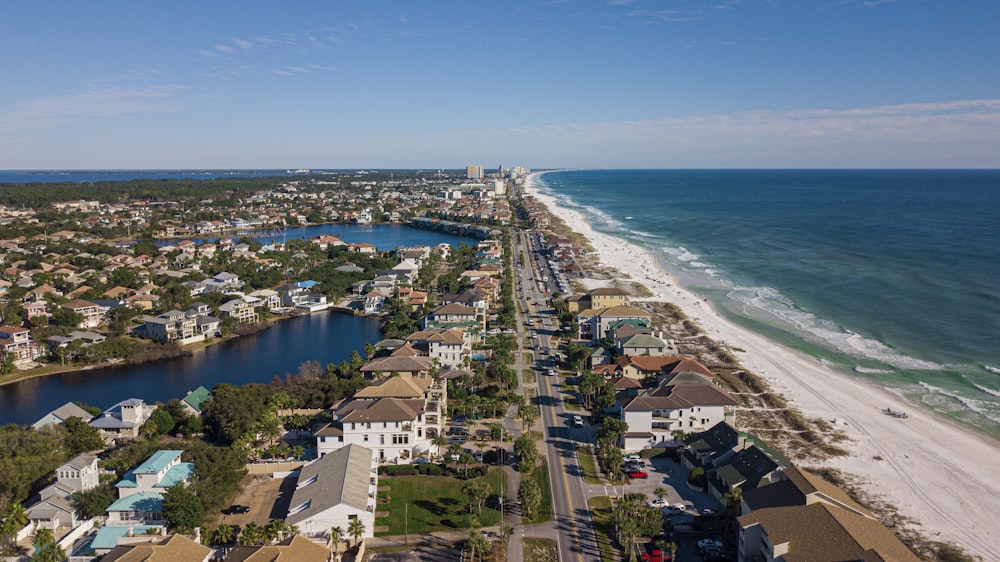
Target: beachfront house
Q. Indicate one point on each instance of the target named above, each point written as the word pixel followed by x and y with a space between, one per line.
pixel 594 323
pixel 816 532
pixel 654 416
pixel 334 491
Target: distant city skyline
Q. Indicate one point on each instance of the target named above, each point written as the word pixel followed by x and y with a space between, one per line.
pixel 549 84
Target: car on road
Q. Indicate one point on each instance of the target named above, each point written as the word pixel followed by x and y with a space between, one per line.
pixel 238 508
pixel 675 509
pixel 637 474
pixel 577 420
pixel 658 503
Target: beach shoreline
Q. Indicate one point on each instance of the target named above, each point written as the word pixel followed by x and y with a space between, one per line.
pixel 921 465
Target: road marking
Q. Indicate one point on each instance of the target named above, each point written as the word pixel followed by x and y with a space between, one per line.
pixel 562 467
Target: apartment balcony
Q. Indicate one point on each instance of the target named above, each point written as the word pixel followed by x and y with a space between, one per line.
pixel 407 427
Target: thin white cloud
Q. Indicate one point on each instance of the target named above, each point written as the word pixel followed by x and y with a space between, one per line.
pixel 225 49
pixel 94 102
pixel 242 43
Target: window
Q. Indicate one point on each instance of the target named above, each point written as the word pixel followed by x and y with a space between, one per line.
pixel 366 438
pixel 352 516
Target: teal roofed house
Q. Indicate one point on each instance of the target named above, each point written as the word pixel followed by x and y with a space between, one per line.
pixel 157 473
pixel 142 508
pixel 107 537
pixel 194 400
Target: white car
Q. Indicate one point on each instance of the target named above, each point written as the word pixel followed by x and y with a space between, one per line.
pixel 633 458
pixel 658 503
pixel 676 509
pixel 577 421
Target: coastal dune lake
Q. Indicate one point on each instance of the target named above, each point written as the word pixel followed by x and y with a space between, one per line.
pixel 326 337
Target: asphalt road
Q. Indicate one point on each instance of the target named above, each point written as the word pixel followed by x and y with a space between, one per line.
pixel 576 538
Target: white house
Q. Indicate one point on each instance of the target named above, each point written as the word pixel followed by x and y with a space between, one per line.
pixel 54 507
pixel 653 416
pixel 398 417
pixel 335 490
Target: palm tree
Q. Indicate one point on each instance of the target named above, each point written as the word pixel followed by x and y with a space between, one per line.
pixel 439 441
pixel 660 492
pixel 336 535
pixel 46 547
pixel 14 519
pixel 356 530
pixel 225 534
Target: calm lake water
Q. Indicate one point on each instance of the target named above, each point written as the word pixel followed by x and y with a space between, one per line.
pixel 326 337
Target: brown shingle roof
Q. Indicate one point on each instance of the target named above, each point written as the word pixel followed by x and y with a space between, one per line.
pixel 820 532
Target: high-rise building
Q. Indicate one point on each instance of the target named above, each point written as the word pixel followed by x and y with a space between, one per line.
pixel 474 172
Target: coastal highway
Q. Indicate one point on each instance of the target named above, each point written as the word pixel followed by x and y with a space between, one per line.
pixel 571 512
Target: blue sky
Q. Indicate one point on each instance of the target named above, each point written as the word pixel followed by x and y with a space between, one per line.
pixel 439 84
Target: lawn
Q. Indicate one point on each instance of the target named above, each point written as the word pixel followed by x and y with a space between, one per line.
pixel 540 550
pixel 432 503
pixel 591 474
pixel 541 477
pixel 600 507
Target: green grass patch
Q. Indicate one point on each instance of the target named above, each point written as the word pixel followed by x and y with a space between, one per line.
pixel 539 550
pixel 652 452
pixel 600 507
pixel 591 474
pixel 541 477
pixel 419 504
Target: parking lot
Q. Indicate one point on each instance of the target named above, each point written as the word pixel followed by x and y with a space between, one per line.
pixel 670 475
pixel 268 498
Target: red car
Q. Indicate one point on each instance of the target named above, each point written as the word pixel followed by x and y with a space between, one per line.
pixel 655 556
pixel 637 474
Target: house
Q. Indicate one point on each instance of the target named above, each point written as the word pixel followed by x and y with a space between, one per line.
pixel 16 343
pixel 293 549
pixel 797 486
pixel 157 473
pixel 171 326
pixel 174 547
pixel 817 532
pixel 53 507
pixel 124 419
pixel 241 310
pixel 594 323
pixel 194 400
pixel 654 415
pixel 397 416
pixel 142 508
pixel 61 414
pixel 269 298
pixel 335 490
pixel 608 297
pixel 757 464
pixel 413 366
pixel 645 344
pixel 455 316
pixel 448 348
pixel 223 283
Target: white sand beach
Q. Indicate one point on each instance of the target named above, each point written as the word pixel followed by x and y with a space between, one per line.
pixel 943 476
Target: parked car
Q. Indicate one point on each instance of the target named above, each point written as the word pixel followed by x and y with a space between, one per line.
pixel 234 509
pixel 456 439
pixel 704 544
pixel 577 420
pixel 637 474
pixel 478 455
pixel 657 503
pixel 421 460
pixel 457 420
pixel 454 430
pixel 633 457
pixel 674 509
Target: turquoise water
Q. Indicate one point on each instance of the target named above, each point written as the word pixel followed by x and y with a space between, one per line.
pixel 892 275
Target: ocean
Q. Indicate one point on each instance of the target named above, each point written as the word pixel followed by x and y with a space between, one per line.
pixel 890 275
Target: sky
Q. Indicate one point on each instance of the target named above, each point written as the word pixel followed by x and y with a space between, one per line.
pixel 184 84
